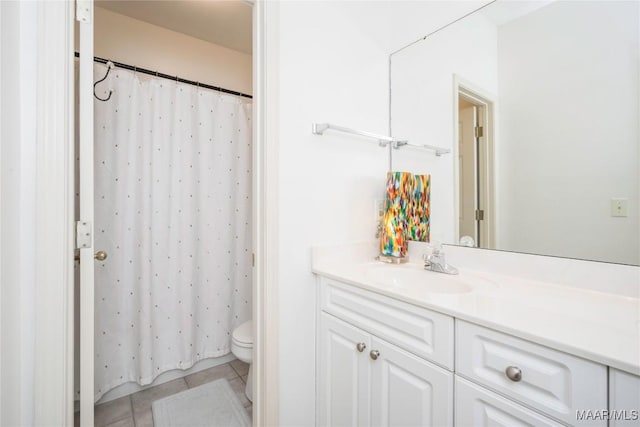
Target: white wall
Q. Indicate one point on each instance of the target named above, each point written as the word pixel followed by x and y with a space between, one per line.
pixel 17 218
pixel 422 108
pixel 134 42
pixel 558 171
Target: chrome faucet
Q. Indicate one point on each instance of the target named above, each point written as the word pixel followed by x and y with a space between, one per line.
pixel 436 262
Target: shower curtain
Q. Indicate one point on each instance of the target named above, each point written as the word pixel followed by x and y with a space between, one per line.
pixel 172 210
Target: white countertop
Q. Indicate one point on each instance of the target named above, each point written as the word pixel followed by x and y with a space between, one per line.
pixel 598 326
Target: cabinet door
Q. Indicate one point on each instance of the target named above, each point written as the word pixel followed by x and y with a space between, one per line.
pixel 407 390
pixel 478 407
pixel 343 374
pixel 624 399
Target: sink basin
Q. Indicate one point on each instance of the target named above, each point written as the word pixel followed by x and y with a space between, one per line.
pixel 416 277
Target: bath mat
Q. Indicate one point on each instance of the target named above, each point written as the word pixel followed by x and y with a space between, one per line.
pixel 213 404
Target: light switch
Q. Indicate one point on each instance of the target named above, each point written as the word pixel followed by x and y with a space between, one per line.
pixel 619 207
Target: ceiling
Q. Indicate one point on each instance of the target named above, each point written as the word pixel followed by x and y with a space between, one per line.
pixel 223 22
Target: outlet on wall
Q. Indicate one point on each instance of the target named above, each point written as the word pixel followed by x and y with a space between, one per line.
pixel 619 207
pixel 378 209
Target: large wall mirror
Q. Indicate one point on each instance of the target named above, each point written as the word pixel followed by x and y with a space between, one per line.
pixel 540 103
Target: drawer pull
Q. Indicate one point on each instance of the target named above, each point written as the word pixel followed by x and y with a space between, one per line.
pixel 513 373
pixel 361 346
pixel 374 354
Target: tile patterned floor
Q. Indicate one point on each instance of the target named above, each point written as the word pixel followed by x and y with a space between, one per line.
pixel 135 410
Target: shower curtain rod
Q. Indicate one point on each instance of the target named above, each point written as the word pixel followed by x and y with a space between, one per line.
pixel 168 77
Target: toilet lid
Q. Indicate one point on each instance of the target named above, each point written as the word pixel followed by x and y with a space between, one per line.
pixel 244 333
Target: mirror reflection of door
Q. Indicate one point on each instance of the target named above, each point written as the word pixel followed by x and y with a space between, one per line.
pixel 467 159
pixel 473 169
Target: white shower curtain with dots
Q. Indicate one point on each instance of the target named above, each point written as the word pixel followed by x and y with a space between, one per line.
pixel 172 210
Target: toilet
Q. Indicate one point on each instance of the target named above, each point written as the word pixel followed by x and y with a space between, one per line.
pixel 242 349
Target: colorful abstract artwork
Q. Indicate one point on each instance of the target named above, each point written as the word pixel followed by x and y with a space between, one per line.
pixel 419 209
pixel 406 214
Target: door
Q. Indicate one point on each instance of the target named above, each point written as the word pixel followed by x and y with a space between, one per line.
pixel 343 374
pixel 407 390
pixel 467 161
pixel 475 200
pixel 84 225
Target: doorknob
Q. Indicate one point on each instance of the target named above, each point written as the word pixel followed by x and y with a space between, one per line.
pixel 361 346
pixel 374 354
pixel 99 256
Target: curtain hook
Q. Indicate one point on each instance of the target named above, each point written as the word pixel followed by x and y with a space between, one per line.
pixel 109 66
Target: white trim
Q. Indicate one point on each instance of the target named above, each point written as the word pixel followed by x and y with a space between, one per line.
pixel 265 214
pixel 18 190
pixel 456 162
pixel 1 214
pixel 86 200
pixel 54 213
pixel 486 100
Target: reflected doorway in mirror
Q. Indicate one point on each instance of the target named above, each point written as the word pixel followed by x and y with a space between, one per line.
pixel 474 165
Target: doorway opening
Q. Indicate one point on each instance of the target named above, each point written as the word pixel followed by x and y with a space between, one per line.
pixel 475 213
pixel 165 176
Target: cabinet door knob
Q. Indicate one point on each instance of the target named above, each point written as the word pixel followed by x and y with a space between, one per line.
pixel 361 346
pixel 374 354
pixel 513 373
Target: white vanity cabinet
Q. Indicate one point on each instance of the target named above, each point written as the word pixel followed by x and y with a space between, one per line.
pixel 366 380
pixel 624 399
pixel 384 362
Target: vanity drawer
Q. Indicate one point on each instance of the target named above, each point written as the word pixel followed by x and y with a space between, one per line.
pixel 479 407
pixel 553 382
pixel 420 331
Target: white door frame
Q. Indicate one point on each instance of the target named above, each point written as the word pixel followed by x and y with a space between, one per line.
pixel 487 170
pixel 55 216
pixel 265 213
pixel 86 189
